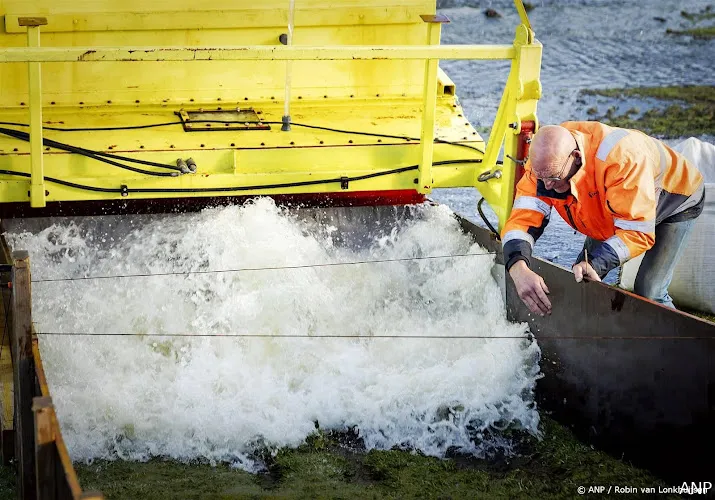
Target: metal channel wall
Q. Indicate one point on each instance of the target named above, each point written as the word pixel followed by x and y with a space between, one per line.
pixel 631 376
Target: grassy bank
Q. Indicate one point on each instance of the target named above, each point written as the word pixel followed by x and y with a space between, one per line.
pixel 681 110
pixel 705 33
pixel 553 467
pixel 697 32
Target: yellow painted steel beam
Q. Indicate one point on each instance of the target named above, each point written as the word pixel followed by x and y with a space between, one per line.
pixel 37 183
pixel 518 103
pixel 429 104
pixel 227 18
pixel 522 13
pixel 256 53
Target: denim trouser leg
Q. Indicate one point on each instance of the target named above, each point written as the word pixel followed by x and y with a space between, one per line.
pixel 656 270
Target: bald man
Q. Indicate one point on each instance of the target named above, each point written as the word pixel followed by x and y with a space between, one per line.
pixel 627 192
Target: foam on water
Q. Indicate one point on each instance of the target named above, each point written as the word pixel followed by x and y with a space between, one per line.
pixel 222 398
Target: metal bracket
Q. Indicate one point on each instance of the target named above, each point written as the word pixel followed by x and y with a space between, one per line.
pixel 203 120
pixel 485 176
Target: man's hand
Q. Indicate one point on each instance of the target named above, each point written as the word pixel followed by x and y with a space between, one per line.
pixel 584 269
pixel 531 288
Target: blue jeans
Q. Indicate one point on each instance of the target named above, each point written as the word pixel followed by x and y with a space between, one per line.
pixel 656 270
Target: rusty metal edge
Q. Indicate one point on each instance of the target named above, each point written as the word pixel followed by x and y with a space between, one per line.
pixel 65 460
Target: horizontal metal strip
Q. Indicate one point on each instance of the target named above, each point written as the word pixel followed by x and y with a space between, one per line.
pixel 228 18
pixel 255 53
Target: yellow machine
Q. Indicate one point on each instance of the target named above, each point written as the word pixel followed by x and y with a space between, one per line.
pixel 244 99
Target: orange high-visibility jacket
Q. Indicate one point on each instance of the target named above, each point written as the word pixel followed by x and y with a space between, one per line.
pixel 627 184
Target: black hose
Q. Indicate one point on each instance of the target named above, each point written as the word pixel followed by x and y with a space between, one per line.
pixel 95 155
pixel 341 180
pixel 486 221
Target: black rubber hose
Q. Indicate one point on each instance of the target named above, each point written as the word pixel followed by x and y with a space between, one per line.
pixel 24 136
pixel 127 190
pixel 486 221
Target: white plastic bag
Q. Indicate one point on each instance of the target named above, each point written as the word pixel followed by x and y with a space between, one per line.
pixel 693 282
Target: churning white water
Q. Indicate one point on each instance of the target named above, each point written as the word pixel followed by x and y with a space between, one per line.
pixel 215 399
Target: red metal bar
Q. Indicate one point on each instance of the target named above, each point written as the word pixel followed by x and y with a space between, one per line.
pixel 158 205
pixel 522 148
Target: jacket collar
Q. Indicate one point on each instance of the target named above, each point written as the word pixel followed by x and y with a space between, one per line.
pixel 581 179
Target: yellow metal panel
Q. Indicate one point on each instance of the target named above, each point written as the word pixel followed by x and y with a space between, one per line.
pixel 318 23
pixel 235 158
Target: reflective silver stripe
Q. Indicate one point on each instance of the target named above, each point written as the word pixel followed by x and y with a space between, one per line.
pixel 619 247
pixel 533 203
pixel 609 142
pixel 645 226
pixel 516 234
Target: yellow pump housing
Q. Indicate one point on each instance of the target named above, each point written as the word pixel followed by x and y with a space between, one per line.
pixel 339 102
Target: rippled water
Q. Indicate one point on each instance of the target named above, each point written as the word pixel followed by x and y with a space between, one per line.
pixel 587 44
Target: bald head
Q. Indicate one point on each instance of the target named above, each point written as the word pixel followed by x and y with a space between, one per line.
pixel 550 148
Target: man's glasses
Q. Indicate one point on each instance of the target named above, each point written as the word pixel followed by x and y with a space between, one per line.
pixel 559 177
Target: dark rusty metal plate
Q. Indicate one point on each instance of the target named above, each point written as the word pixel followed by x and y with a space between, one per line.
pixel 203 120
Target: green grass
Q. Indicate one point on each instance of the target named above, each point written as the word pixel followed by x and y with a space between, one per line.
pixel 704 14
pixel 687 111
pixel 700 314
pixel 553 467
pixel 705 33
